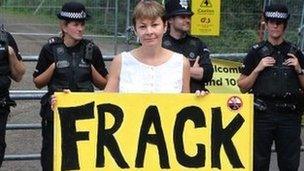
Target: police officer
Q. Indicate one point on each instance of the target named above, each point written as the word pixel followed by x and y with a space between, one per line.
pixel 177 39
pixel 67 62
pixel 273 72
pixel 11 67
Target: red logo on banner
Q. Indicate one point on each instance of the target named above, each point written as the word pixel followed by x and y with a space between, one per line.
pixel 234 103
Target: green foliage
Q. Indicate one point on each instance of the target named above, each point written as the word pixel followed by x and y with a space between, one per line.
pixel 238 28
pixel 231 41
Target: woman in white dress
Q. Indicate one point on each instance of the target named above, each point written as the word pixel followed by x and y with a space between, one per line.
pixel 149 68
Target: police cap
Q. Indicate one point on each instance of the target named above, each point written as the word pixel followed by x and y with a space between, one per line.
pixel 276 12
pixel 73 11
pixel 177 7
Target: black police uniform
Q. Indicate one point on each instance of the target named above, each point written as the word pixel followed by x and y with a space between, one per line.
pixel 278 97
pixel 191 47
pixel 5 82
pixel 72 71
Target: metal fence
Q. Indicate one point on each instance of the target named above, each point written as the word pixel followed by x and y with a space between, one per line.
pixel 33 21
pixel 301 31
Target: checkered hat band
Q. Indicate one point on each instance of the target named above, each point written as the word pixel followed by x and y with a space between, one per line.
pixel 74 15
pixel 278 15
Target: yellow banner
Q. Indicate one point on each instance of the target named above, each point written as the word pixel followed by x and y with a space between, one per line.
pixel 111 131
pixel 225 76
pixel 206 18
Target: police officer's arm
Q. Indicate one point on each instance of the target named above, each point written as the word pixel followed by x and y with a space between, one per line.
pixel 249 76
pixel 98 80
pixel 44 78
pixel 301 79
pixel 99 71
pixel 114 72
pixel 44 69
pixel 186 76
pixel 202 69
pixel 16 66
pixel 294 61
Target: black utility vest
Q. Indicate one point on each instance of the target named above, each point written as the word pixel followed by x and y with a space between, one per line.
pixel 278 81
pixel 72 71
pixel 5 81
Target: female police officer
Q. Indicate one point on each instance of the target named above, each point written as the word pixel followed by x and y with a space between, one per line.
pixel 67 62
pixel 274 73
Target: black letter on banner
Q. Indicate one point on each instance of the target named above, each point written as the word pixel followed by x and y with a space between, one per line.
pixel 223 136
pixel 198 117
pixel 152 117
pixel 69 135
pixel 105 136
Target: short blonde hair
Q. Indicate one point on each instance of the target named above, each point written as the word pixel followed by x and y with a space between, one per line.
pixel 148 9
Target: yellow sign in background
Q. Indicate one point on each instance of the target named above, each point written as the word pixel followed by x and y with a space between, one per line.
pixel 206 18
pixel 213 124
pixel 225 76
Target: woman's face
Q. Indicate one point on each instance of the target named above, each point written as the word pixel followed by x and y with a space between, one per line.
pixel 275 29
pixel 150 31
pixel 74 29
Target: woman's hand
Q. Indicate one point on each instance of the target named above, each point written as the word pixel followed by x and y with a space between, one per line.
pixel 54 100
pixel 201 93
pixel 292 61
pixel 265 62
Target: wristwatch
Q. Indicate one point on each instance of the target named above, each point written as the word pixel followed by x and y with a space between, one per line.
pixel 301 72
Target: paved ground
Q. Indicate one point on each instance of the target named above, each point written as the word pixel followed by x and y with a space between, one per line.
pixel 29 141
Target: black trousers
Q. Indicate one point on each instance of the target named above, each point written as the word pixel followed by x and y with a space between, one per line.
pixel 4 111
pixel 282 128
pixel 47 135
pixel 47 145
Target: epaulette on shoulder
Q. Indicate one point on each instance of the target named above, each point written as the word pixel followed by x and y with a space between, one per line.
pixel 2 28
pixel 259 45
pixel 54 40
pixel 87 41
pixel 3 36
pixel 293 45
pixel 294 49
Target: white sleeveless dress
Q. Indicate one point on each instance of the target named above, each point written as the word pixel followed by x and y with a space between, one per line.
pixel 137 77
